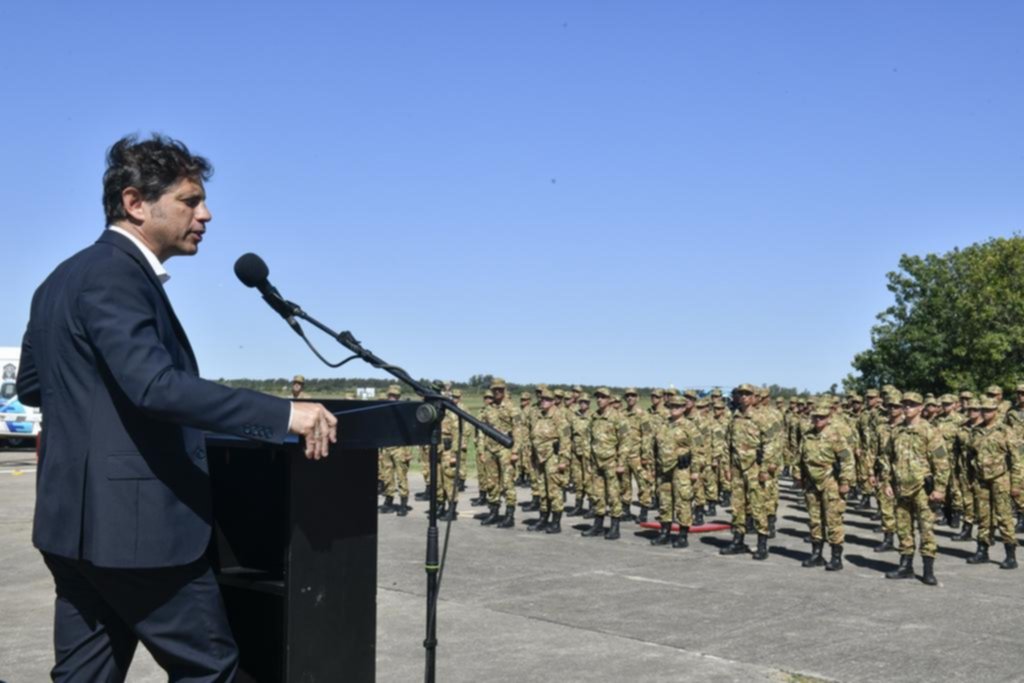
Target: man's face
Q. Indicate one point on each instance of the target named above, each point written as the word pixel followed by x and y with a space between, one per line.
pixel 631 400
pixel 524 403
pixel 911 411
pixel 947 408
pixel 174 224
pixel 546 404
pixel 820 421
pixel 499 394
pixel 744 399
pixel 873 402
pixel 974 415
pixel 1020 398
pixel 393 397
pixel 603 402
pixel 988 416
pixel 895 412
pixel 297 388
pixel 584 406
pixel 655 400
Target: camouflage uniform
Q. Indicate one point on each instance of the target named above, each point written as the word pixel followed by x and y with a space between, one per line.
pixel 502 417
pixel 882 467
pixel 631 455
pixel 679 444
pixel 484 466
pixel 394 465
pixel 550 439
pixel 581 466
pixel 825 464
pixel 995 454
pixel 606 432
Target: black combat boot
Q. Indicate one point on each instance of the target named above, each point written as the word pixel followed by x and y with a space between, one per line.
pixel 1011 556
pixel 681 541
pixel 493 516
pixel 662 537
pixel 597 529
pixel 589 514
pixel 940 518
pixel 422 495
pixel 479 500
pixel 836 563
pixel 462 485
pixel 577 509
pixel 643 514
pixel 712 510
pixel 510 518
pixel 698 516
pixel 886 544
pixel 762 547
pixel 555 525
pixel 442 507
pixel 389 505
pixel 613 531
pixel 771 526
pixel 736 547
pixel 965 533
pixel 905 570
pixel 750 524
pixel 533 505
pixel 1020 522
pixel 929 572
pixel 380 487
pixel 954 520
pixel 727 499
pixel 627 513
pixel 980 555
pixel 541 524
pixel 451 515
pixel 403 508
pixel 865 503
pixel 815 560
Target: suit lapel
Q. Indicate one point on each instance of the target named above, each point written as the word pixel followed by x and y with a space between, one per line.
pixel 126 245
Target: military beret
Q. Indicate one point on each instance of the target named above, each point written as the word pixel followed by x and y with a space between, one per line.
pixel 691 393
pixel 912 397
pixel 298 379
pixel 871 393
pixel 394 390
pixel 993 390
pixel 547 395
pixel 946 399
pixel 989 403
pixel 745 389
pixel 498 383
pixel 603 391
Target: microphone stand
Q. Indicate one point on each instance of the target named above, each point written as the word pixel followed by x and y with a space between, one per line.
pixel 431 412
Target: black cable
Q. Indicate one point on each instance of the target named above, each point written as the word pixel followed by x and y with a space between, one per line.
pixel 317 353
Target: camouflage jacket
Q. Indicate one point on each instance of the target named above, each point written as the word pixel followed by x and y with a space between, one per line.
pixel 606 430
pixel 701 455
pixel 819 454
pixel 676 439
pixel 993 451
pixel 918 452
pixel 632 436
pixel 550 437
pixel 750 440
pixel 580 425
pixel 503 418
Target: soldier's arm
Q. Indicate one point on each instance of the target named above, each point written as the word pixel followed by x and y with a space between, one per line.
pixel 847 470
pixel 940 462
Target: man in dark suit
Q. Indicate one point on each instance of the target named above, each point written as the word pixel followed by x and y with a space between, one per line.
pixel 123 511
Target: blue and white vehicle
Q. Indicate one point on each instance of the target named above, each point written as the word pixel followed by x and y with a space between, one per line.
pixel 19 424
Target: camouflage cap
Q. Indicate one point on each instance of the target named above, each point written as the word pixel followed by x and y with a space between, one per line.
pixel 988 403
pixel 558 393
pixel 718 403
pixel 929 396
pixel 540 388
pixel 855 398
pixel 675 401
pixel 871 393
pixel 631 391
pixel 671 391
pixel 456 393
pixel 656 392
pixel 488 394
pixel 691 394
pixel 1020 388
pixel 716 392
pixel 966 395
pixel 547 395
pixel 894 398
pixel 764 392
pixel 394 390
pixel 577 388
pixel 602 391
pixel 584 398
pixel 298 379
pixel 745 389
pixel 912 397
pixel 526 396
pixel 704 403
pixel 498 383
pixel 822 409
pixel 930 400
pixel 948 399
pixel 993 390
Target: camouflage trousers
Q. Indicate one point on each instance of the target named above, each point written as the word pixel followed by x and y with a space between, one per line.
pixel 396 472
pixel 886 510
pixel 606 489
pixel 675 497
pixel 825 507
pixel 447 481
pixel 579 474
pixel 553 481
pixel 484 470
pixel 635 471
pixel 913 511
pixel 502 476
pixel 533 474
pixel 995 508
pixel 865 471
pixel 772 494
pixel 709 480
pixel 425 464
pixel 383 468
pixel 749 497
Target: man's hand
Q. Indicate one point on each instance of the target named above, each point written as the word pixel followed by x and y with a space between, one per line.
pixel 316 425
pixel 937 497
pixel 694 476
pixel 888 491
pixel 844 489
pixel 762 476
pixel 872 481
pixel 620 470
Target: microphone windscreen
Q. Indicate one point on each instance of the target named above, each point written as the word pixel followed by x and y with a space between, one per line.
pixel 251 270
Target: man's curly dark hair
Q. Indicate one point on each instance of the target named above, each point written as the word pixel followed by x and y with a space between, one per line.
pixel 151 166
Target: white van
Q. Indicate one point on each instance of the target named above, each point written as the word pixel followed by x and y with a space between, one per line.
pixel 19 424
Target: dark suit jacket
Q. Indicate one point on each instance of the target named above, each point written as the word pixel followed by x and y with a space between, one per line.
pixel 123 479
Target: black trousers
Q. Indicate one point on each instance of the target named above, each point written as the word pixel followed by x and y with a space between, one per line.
pixel 101 615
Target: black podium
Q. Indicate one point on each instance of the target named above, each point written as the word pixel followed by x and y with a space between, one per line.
pixel 295 545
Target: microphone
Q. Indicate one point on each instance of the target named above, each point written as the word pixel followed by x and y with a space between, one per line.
pixel 253 272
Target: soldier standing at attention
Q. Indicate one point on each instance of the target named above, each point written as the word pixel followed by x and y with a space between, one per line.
pixel 948 423
pixel 920 469
pixel 678 442
pixel 1015 418
pixel 580 424
pixel 632 448
pixel 824 469
pixel 995 453
pixel 720 450
pixel 550 439
pixel 484 466
pixel 298 384
pixel 709 472
pixel 750 454
pixel 447 464
pixel 995 392
pixel 501 416
pixel 772 420
pixel 396 465
pixel 881 468
pixel 605 440
pixel 525 473
pixel 867 428
pixel 965 472
pixel 700 456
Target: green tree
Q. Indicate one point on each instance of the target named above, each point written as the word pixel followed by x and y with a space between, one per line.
pixel 957 322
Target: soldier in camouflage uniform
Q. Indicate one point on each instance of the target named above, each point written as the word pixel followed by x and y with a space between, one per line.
pixel 650 426
pixel 719 452
pixel 484 468
pixel 751 454
pixel 920 469
pixel 1015 419
pixel 709 473
pixel 948 422
pixel 776 433
pixel 964 470
pixel 606 431
pixel 525 467
pixel 995 452
pixel 867 428
pixel 396 466
pixel 501 416
pixel 995 392
pixel 448 461
pixel 550 442
pixel 825 468
pixel 579 423
pixel 700 454
pixel 633 419
pixel 881 468
pixel 678 447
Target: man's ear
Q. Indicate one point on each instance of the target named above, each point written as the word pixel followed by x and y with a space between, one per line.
pixel 132 201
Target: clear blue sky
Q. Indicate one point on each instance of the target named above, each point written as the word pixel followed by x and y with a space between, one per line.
pixel 645 193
